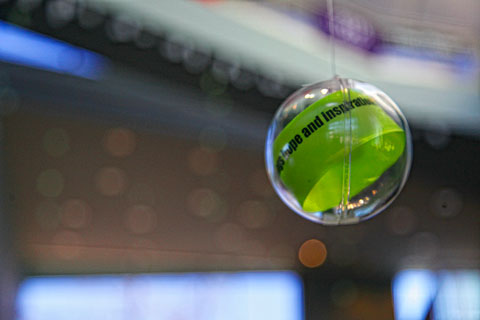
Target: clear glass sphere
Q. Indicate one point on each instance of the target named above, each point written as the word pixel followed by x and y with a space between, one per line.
pixel 338 151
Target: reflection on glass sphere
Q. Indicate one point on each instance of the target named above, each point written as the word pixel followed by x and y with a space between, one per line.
pixel 338 151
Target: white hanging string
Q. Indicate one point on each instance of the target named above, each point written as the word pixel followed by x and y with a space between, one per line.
pixel 331 31
pixel 347 160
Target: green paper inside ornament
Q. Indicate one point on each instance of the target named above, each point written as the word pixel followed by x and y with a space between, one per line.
pixel 338 152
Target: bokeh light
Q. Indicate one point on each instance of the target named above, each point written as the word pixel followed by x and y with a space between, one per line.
pixel 194 60
pixel 446 203
pixel 221 71
pixel 75 213
pixel 59 12
pixel 206 203
pixel 141 219
pixel 122 28
pixel 242 79
pixel 88 18
pixel 255 214
pixel 424 247
pixel 145 40
pixel 142 193
pixel 312 253
pixel 119 142
pixel 172 50
pixel 111 181
pixel 438 136
pixel 50 183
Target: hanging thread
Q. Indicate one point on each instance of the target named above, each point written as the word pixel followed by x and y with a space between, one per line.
pixel 331 31
pixel 347 139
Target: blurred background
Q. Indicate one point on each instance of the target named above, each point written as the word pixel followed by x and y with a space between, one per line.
pixel 132 174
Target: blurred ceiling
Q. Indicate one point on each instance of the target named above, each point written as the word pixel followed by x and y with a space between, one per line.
pixel 428 60
pixel 279 40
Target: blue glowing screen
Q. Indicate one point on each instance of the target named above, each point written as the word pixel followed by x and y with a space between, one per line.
pixel 419 294
pixel 196 296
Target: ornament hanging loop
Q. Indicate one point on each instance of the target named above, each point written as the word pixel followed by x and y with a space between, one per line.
pixel 331 31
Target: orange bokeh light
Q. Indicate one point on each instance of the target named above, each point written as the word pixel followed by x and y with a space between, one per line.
pixel 312 253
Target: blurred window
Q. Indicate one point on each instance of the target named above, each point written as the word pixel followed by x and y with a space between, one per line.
pixel 196 296
pixel 445 295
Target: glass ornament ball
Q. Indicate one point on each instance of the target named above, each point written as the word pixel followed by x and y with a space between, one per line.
pixel 338 151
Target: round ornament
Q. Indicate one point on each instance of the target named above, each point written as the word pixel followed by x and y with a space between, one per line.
pixel 338 151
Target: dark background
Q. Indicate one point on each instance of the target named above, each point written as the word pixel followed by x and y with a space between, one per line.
pixel 185 149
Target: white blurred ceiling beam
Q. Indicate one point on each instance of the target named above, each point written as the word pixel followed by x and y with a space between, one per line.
pixel 292 52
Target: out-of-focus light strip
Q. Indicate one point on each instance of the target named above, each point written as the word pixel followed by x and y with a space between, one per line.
pixel 452 294
pixel 458 296
pixel 190 296
pixel 413 294
pixel 27 48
